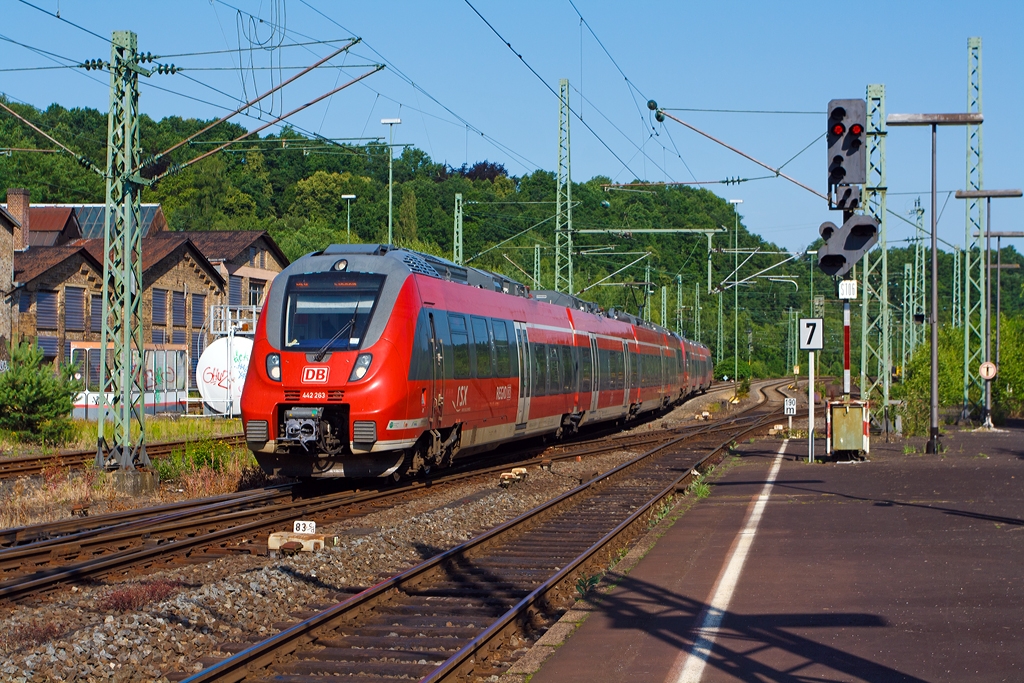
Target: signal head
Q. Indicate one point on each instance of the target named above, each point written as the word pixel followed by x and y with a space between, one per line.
pixel 856 129
pixel 837 128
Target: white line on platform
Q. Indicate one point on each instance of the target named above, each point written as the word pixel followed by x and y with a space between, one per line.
pixel 711 618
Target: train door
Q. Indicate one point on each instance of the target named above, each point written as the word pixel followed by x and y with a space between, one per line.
pixel 595 372
pixel 525 383
pixel 625 374
pixel 436 376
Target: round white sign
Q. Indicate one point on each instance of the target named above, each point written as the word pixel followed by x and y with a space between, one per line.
pixel 221 373
pixel 988 370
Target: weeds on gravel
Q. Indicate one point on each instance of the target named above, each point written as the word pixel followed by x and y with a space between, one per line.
pixel 137 595
pixel 664 509
pixel 205 468
pixel 909 449
pixel 26 501
pixel 585 584
pixel 33 633
pixel 699 487
pixel 164 428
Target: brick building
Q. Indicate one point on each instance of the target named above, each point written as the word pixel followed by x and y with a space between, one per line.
pixel 55 277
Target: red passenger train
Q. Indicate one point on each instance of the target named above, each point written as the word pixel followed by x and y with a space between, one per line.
pixel 372 361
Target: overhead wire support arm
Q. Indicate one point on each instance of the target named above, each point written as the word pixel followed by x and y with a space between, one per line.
pixel 84 161
pixel 257 99
pixel 776 171
pixel 179 167
pixel 633 263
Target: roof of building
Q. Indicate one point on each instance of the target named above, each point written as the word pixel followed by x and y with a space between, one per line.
pixel 92 217
pixel 8 219
pixel 36 261
pixel 50 218
pixel 226 245
pixel 156 248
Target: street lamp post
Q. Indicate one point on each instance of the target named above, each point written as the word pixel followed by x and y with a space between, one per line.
pixel 736 299
pixel 934 120
pixel 348 199
pixel 391 141
pixel 987 195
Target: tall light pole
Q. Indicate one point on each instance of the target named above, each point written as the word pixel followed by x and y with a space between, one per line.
pixel 987 195
pixel 391 185
pixel 348 199
pixel 736 299
pixel 934 120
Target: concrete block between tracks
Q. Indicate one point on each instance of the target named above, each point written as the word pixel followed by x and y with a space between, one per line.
pixel 136 482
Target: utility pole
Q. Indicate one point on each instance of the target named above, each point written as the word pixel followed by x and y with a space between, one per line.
pixel 647 292
pixel 919 288
pixel 121 373
pixel 875 344
pixel 664 302
pixel 536 265
pixel 718 346
pixel 696 308
pixel 563 197
pixel 974 265
pixel 457 237
pixel 679 304
pixel 391 123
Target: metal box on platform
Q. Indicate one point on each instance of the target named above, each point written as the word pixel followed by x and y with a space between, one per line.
pixel 847 427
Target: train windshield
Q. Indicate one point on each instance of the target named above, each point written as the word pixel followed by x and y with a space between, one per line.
pixel 329 311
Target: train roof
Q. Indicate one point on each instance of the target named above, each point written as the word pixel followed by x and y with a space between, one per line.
pixel 443 269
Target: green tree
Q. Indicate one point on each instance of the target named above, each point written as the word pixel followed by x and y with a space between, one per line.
pixel 407 222
pixel 36 401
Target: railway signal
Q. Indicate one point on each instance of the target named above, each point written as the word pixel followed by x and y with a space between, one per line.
pixel 846 245
pixel 847 153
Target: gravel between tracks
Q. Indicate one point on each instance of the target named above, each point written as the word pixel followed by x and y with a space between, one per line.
pixel 76 634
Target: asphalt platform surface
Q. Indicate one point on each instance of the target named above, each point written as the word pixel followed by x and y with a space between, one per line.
pixel 907 567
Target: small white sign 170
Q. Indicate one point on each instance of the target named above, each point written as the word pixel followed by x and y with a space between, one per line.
pixel 304 527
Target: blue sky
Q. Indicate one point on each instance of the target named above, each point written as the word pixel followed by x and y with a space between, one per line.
pixel 765 56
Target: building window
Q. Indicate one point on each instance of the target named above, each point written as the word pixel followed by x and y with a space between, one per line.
pixel 256 288
pixel 96 313
pixel 24 302
pixel 235 291
pixel 159 306
pixel 49 345
pixel 178 337
pixel 46 311
pixel 198 310
pixel 178 308
pixel 253 257
pixel 74 309
pixel 159 337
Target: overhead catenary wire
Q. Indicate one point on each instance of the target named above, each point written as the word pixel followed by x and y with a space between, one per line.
pixel 178 167
pixel 528 165
pixel 548 86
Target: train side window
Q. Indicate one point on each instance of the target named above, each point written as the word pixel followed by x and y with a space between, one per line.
pixel 604 362
pixel 420 364
pixel 554 371
pixel 501 351
pixel 568 369
pixel 482 343
pixel 586 370
pixel 539 357
pixel 618 370
pixel 460 345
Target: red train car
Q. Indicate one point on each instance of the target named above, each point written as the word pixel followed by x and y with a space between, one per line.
pixel 372 361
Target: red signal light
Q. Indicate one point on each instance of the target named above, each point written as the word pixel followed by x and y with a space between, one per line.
pixel 838 128
pixel 856 129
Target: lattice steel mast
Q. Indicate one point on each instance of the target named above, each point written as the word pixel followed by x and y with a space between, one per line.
pixel 457 235
pixel 875 342
pixel 563 197
pixel 121 373
pixel 974 265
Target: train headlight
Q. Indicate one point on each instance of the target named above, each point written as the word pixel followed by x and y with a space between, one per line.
pixel 274 366
pixel 359 370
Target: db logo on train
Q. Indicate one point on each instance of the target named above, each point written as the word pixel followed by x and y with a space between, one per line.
pixel 312 374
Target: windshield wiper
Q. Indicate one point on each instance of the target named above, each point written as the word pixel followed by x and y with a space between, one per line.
pixel 337 335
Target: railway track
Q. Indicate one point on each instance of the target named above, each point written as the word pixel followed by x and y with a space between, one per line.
pixel 40 558
pixel 35 464
pixel 459 615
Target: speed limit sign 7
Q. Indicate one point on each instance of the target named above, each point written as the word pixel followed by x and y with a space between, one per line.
pixel 812 334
